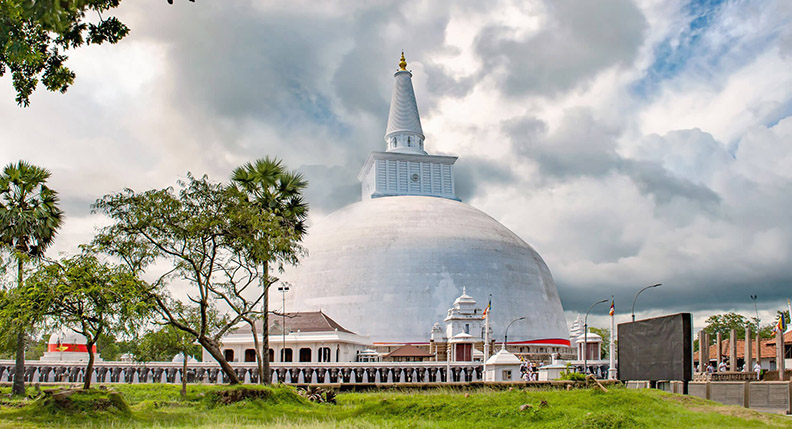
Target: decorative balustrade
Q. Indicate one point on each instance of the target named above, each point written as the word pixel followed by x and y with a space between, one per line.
pixel 293 373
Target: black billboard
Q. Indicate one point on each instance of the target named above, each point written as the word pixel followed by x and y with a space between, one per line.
pixel 656 349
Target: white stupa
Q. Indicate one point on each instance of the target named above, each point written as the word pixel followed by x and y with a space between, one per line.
pixel 68 346
pixel 388 266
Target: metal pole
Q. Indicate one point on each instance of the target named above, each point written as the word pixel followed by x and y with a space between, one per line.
pixel 758 337
pixel 612 348
pixel 486 340
pixel 585 337
pixel 506 334
pixel 636 297
pixel 283 290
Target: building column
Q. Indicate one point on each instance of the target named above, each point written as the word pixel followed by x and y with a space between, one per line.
pixel 747 367
pixel 733 350
pixel 719 352
pixel 780 355
pixel 703 351
pixel 758 346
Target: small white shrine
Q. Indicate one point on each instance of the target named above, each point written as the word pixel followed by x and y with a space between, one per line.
pixel 503 366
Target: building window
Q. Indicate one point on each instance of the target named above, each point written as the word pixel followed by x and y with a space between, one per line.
pixel 324 354
pixel 229 355
pixel 409 144
pixel 286 355
pixel 271 355
pixel 250 355
pixel 305 354
pixel 467 328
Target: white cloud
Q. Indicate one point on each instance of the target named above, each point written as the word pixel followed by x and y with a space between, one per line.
pixel 620 172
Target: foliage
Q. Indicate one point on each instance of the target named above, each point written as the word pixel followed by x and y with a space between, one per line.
pixel 569 374
pixel 154 405
pixel 165 343
pixel 724 323
pixel 29 212
pixel 203 234
pixel 37 34
pixel 90 297
pixel 111 347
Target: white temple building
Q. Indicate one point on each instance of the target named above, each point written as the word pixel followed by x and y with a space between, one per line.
pixel 296 337
pixel 387 267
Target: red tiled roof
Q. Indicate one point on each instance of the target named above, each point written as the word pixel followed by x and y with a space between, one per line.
pixel 767 350
pixel 409 351
pixel 787 338
pixel 310 321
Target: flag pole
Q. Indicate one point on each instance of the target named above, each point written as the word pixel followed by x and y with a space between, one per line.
pixel 611 352
pixel 486 336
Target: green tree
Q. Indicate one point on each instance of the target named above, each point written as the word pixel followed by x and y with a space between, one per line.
pixel 206 236
pixel 90 297
pixel 276 193
pixel 29 219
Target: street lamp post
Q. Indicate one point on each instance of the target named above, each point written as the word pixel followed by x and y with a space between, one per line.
pixel 758 337
pixel 636 297
pixel 283 289
pixel 585 337
pixel 506 334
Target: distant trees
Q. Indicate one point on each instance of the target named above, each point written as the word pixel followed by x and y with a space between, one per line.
pixel 724 323
pixel 167 342
pixel 29 220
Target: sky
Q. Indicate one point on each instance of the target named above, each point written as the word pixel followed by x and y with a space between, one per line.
pixel 629 142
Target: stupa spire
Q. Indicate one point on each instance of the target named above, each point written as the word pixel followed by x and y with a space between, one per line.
pixel 405 168
pixel 404 133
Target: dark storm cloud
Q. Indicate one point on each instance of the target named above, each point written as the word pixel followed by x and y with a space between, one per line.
pixel 475 175
pixel 707 293
pixel 582 146
pixel 330 188
pixel 579 40
pixel 440 83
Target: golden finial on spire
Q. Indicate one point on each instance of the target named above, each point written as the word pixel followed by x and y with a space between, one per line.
pixel 403 63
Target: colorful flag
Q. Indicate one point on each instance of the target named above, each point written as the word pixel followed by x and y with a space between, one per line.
pixel 781 325
pixel 613 309
pixel 486 310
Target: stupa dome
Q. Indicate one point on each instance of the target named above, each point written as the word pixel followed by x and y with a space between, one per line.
pixel 67 336
pixel 389 268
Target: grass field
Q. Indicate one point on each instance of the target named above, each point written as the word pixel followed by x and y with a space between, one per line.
pixel 159 406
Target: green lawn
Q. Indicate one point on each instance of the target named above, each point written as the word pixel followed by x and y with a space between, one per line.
pixel 159 406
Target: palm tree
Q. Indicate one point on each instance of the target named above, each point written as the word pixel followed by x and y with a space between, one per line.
pixel 29 219
pixel 274 191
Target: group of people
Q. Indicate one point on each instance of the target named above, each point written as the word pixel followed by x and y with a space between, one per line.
pixel 528 371
pixel 723 366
